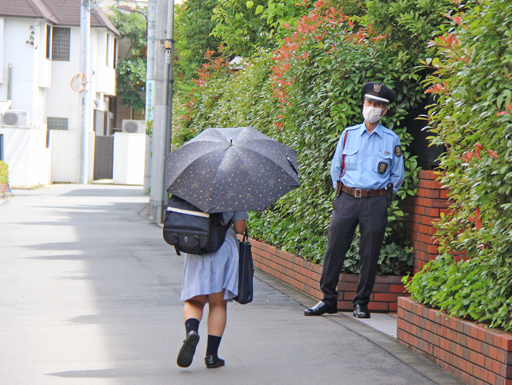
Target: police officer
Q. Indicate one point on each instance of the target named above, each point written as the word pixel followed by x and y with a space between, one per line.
pixel 368 159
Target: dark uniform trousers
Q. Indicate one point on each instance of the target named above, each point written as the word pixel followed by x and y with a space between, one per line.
pixel 371 215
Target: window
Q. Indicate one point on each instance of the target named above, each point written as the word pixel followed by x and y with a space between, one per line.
pixel 57 123
pixel 61 43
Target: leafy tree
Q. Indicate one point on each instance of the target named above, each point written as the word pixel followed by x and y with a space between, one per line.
pixel 409 23
pixel 238 26
pixel 131 71
pixel 279 16
pixel 473 118
pixel 193 27
pixel 349 7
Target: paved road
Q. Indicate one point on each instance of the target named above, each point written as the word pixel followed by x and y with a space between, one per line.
pixel 89 294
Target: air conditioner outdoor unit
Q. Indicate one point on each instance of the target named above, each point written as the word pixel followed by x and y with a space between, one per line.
pixel 15 118
pixel 134 126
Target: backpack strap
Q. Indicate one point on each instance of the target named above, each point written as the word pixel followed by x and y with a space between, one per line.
pixel 343 157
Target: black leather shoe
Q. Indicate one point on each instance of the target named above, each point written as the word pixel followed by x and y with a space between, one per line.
pixel 213 362
pixel 188 349
pixel 361 311
pixel 320 308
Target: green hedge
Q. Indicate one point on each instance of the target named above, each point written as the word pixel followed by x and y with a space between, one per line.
pixel 4 172
pixel 304 95
pixel 473 117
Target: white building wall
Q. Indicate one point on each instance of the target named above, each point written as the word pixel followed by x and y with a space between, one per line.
pixel 103 63
pixel 26 155
pixel 21 55
pixel 64 158
pixel 64 155
pixel 129 155
pixel 61 100
pixel 2 54
pixel 45 65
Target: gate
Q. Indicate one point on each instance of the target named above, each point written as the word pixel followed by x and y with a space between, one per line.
pixel 103 157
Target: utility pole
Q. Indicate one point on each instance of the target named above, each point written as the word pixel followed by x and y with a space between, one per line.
pixel 156 202
pixel 150 83
pixel 170 85
pixel 85 33
pixel 163 108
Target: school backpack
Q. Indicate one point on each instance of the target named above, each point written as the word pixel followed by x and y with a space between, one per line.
pixel 192 231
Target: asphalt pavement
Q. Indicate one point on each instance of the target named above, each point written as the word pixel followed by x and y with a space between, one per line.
pixel 90 294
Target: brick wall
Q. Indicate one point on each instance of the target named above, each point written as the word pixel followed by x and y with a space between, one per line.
pixel 472 353
pixel 125 112
pixel 423 210
pixel 305 276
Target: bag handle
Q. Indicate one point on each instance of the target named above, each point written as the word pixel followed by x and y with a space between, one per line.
pixel 246 236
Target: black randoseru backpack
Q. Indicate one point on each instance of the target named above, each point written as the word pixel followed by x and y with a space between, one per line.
pixel 192 231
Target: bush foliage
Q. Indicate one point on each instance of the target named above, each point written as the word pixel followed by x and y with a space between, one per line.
pixel 4 172
pixel 304 95
pixel 473 118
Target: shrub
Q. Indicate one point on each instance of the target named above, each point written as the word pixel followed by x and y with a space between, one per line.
pixel 304 95
pixel 4 172
pixel 473 118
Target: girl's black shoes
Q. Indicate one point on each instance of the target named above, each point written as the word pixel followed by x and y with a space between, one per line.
pixel 213 362
pixel 188 349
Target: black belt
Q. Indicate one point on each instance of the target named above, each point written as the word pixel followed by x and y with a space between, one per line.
pixel 360 193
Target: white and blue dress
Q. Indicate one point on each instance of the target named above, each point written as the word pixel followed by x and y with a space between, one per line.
pixel 211 273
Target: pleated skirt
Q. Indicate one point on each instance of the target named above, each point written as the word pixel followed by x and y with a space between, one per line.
pixel 212 273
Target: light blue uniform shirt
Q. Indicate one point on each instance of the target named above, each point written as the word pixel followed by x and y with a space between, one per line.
pixel 371 161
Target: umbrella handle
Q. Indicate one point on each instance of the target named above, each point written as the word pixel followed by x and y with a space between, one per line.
pixel 291 164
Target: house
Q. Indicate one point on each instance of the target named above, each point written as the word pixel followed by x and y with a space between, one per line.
pixel 40 124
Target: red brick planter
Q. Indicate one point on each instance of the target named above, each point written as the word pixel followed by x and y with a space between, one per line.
pixel 4 188
pixel 305 276
pixel 424 209
pixel 472 353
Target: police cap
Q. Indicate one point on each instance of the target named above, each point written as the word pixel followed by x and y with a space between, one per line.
pixel 378 93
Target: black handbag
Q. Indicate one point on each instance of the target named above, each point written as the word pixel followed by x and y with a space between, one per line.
pixel 245 272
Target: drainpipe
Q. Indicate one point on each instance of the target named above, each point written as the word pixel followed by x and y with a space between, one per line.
pixel 9 81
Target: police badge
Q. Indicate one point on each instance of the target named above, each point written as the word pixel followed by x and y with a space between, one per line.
pixel 398 151
pixel 377 87
pixel 383 166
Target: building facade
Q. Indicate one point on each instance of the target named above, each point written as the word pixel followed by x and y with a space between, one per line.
pixel 41 119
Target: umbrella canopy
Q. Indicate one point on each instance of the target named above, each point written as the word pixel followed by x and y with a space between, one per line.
pixel 231 169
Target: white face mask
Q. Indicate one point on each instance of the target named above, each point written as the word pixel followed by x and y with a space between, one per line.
pixel 372 114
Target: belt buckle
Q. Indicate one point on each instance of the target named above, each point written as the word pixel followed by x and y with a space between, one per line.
pixel 358 193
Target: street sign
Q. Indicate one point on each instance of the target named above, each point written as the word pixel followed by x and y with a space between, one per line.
pixel 150 99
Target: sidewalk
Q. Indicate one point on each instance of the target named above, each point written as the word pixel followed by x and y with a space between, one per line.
pixel 89 294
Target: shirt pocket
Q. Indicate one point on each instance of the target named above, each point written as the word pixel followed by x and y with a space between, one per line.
pixel 383 162
pixel 350 158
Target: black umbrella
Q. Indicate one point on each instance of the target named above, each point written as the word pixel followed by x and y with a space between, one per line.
pixel 231 169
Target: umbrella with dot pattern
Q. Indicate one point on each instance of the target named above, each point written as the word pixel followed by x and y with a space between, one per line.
pixel 231 169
